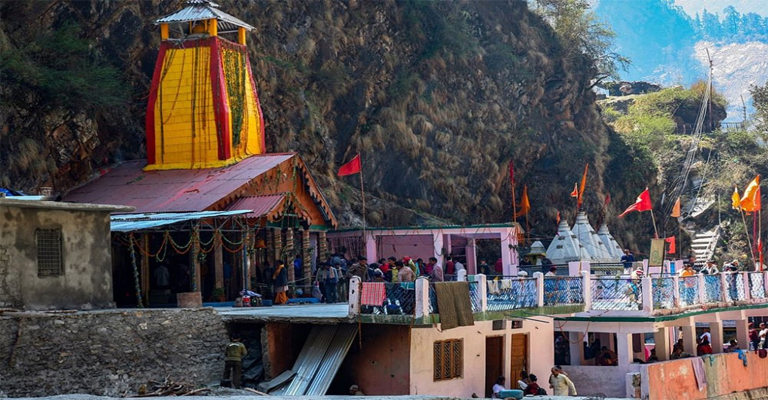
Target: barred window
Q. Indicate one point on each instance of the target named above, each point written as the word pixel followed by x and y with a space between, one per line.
pixel 49 260
pixel 449 359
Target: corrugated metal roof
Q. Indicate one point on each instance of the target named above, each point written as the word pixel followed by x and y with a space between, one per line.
pixel 319 340
pixel 137 222
pixel 199 10
pixel 182 190
pixel 258 205
pixel 337 351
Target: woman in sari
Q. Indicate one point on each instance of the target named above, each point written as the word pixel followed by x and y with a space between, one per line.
pixel 280 277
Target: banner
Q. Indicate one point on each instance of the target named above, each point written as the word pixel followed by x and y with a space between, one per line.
pixel 656 258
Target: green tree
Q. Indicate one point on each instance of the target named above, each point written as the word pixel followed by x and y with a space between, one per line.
pixel 583 34
pixel 760 102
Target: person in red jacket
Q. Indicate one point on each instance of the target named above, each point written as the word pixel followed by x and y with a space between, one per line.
pixel 533 387
pixel 450 267
pixel 499 267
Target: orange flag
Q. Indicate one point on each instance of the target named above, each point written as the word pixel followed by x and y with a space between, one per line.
pixel 676 209
pixel 583 186
pixel 750 201
pixel 735 199
pixel 525 205
pixel 575 192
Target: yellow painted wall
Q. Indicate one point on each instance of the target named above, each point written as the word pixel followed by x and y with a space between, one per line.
pixel 250 136
pixel 185 124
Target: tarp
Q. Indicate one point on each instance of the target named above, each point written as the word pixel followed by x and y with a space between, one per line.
pixel 137 222
pixel 454 304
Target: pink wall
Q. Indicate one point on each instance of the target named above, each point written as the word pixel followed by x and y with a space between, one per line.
pixel 727 374
pixel 414 246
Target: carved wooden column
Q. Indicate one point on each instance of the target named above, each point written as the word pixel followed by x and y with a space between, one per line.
pixel 306 256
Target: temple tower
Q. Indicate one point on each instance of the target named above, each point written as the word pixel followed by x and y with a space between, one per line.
pixel 203 109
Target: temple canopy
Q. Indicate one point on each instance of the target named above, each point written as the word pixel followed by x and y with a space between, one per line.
pixel 565 247
pixel 610 243
pixel 201 10
pixel 590 240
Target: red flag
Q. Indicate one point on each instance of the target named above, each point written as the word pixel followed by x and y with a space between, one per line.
pixel 643 203
pixel 350 168
pixel 557 219
pixel 583 186
pixel 671 241
pixel 607 199
pixel 511 173
pixel 575 192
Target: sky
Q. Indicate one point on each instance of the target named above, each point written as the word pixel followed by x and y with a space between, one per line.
pixel 743 6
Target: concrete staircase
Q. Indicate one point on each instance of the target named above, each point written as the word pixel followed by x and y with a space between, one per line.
pixel 704 243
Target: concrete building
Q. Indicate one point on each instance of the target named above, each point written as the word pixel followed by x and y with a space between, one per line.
pixel 55 255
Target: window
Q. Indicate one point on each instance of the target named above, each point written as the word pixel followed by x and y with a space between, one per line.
pixel 49 262
pixel 449 360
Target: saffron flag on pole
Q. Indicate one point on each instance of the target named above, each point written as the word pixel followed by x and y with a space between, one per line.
pixel 583 186
pixel 350 168
pixel 525 205
pixel 750 201
pixel 736 199
pixel 575 192
pixel 676 211
pixel 643 203
pixel 671 241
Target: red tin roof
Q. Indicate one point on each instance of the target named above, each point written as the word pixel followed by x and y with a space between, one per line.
pixel 172 190
pixel 260 205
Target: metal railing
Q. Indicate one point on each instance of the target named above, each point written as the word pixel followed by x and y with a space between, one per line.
pixel 510 294
pixel 561 290
pixel 475 297
pixel 689 291
pixel 399 299
pixel 713 291
pixel 664 293
pixel 610 293
pixel 756 285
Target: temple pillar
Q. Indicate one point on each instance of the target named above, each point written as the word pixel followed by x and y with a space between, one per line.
pixel 742 333
pixel 218 261
pixel 289 254
pixel 689 338
pixel 576 344
pixel 624 349
pixel 322 246
pixel 471 257
pixel 306 256
pixel 506 255
pixel 145 274
pixel 663 348
pixel 716 331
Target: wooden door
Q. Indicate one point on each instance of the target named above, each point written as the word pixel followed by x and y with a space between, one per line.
pixel 494 362
pixel 518 359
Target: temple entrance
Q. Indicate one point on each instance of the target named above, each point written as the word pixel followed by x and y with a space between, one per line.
pixel 494 362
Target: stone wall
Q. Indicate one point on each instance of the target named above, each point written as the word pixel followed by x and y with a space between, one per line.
pixel 108 352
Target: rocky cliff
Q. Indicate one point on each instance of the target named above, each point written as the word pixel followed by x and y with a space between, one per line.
pixel 438 97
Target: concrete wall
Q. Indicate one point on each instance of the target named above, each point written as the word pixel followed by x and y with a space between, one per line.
pixel 593 379
pixel 414 246
pixel 540 356
pixel 381 366
pixel 108 352
pixel 725 375
pixel 87 278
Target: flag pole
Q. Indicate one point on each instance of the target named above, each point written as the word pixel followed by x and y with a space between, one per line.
pixel 514 204
pixel 654 225
pixel 746 230
pixel 362 194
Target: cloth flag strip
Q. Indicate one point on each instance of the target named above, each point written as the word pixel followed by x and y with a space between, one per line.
pixel 736 199
pixel 583 186
pixel 643 203
pixel 676 210
pixel 750 201
pixel 525 204
pixel 575 192
pixel 351 168
pixel 671 241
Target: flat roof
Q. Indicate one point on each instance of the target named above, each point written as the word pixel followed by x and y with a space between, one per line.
pixel 64 206
pixel 438 227
pixel 294 313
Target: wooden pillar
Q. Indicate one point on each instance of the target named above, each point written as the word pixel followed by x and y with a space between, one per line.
pixel 213 27
pixel 218 263
pixel 322 246
pixel 269 234
pixel 289 254
pixel 145 274
pixel 241 35
pixel 164 32
pixel 194 262
pixel 277 242
pixel 306 255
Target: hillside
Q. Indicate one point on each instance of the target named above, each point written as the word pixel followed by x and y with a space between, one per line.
pixel 438 97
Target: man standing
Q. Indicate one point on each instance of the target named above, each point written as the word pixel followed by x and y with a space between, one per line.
pixel 233 363
pixel 627 259
pixel 485 269
pixel 359 269
pixel 404 273
pixel 561 384
pixel 450 267
pixel 437 271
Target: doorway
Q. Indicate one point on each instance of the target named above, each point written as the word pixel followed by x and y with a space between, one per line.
pixel 494 362
pixel 518 359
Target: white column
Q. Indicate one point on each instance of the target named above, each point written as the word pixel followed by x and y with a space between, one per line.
pixel 663 348
pixel 624 349
pixel 422 297
pixel 370 247
pixel 689 338
pixel 461 275
pixel 723 288
pixel 576 346
pixel 765 283
pixel 482 286
pixel 747 292
pixel 506 254
pixel 716 330
pixel 539 288
pixel 676 289
pixel 647 295
pixel 448 245
pixel 742 333
pixel 354 296
pixel 702 292
pixel 586 289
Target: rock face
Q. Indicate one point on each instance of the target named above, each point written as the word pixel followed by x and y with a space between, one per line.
pixel 438 97
pixel 109 353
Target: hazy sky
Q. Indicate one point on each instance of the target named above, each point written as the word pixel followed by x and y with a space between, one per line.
pixel 743 6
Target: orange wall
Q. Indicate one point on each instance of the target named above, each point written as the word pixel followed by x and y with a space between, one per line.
pixel 726 375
